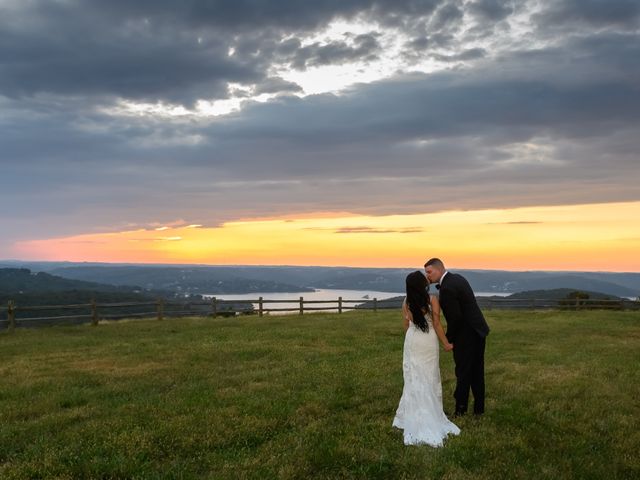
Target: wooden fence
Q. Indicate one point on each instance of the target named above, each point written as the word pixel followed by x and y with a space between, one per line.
pixel 93 312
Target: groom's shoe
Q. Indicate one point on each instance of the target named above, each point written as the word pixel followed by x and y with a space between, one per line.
pixel 460 411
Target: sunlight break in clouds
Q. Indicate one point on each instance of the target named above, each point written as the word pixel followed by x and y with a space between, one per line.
pixel 336 77
pixel 581 237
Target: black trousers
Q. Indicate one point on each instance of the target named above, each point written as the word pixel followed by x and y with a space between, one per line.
pixel 468 355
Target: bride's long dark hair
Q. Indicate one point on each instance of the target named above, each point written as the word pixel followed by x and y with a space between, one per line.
pixel 418 299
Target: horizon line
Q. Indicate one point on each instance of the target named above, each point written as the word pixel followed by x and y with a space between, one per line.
pixel 149 264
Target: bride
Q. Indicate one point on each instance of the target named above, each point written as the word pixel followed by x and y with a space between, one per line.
pixel 420 412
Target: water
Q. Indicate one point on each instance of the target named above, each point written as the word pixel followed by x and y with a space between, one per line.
pixel 320 294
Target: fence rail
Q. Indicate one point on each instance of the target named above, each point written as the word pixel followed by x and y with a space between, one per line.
pixel 10 314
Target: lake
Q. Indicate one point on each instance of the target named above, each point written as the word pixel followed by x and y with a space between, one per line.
pixel 319 294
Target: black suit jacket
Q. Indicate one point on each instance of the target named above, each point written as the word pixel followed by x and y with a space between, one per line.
pixel 459 306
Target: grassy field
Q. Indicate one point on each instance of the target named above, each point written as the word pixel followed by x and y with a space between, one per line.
pixel 313 396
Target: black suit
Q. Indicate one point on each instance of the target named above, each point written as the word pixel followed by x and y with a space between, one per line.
pixel 466 329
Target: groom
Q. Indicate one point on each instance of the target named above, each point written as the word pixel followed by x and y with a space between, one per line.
pixel 466 329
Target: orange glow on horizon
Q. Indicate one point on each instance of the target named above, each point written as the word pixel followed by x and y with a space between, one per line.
pixel 602 237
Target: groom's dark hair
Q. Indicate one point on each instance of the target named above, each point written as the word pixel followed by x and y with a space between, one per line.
pixel 436 262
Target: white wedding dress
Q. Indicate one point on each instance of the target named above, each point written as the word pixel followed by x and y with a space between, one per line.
pixel 420 412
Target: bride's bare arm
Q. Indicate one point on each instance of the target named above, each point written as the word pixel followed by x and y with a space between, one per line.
pixel 437 325
pixel 406 315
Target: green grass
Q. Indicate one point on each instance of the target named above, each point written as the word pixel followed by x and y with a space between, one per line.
pixel 313 396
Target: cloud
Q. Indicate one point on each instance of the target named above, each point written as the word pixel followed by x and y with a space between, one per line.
pixel 470 54
pixel 515 223
pixel 592 13
pixel 376 230
pixel 361 229
pixel 493 10
pixel 471 138
pixel 362 48
pixel 447 15
pixel 136 60
pixel 277 85
pixel 507 117
pixel 172 52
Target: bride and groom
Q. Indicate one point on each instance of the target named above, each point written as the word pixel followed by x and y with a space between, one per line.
pixel 420 413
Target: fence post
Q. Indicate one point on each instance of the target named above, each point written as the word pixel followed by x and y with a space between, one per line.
pixel 301 306
pixel 533 304
pixel 94 312
pixel 375 304
pixel 260 306
pixel 577 303
pixel 339 304
pixel 489 303
pixel 214 307
pixel 11 315
pixel 160 308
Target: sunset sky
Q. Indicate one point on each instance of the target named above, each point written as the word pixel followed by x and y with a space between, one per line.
pixel 492 133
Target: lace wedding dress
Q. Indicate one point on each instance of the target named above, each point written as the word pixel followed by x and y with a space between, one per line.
pixel 420 412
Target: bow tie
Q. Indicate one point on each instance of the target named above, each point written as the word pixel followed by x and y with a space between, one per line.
pixel 437 286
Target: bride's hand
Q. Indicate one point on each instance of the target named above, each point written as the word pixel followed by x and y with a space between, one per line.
pixel 448 347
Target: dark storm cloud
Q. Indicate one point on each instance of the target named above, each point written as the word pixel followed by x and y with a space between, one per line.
pixel 65 53
pixel 421 46
pixel 363 48
pixel 291 51
pixel 494 10
pixel 445 16
pixel 251 14
pixel 414 124
pixel 512 98
pixel 276 85
pixel 168 50
pixel 398 127
pixel 593 13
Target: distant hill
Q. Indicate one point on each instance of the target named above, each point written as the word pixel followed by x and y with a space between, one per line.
pixel 26 288
pixel 513 282
pixel 31 289
pixel 22 280
pixel 552 294
pixel 560 293
pixel 191 280
pixel 206 279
